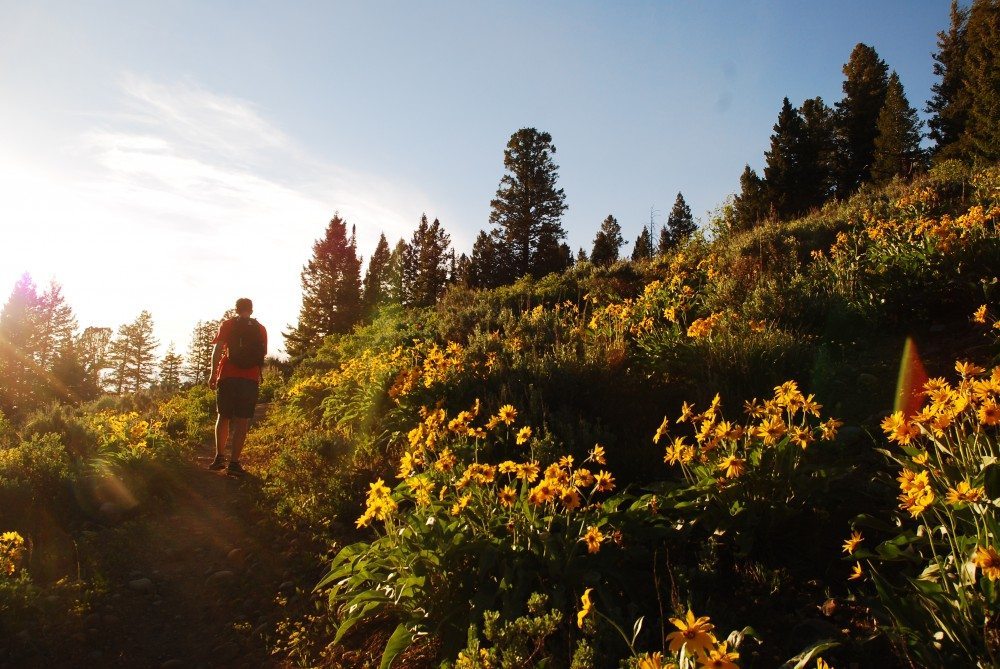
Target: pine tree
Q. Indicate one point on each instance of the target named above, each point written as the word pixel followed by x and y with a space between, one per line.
pixel 865 83
pixel 643 245
pixel 92 351
pixel 170 369
pixel 948 105
pixel 897 147
pixel 783 173
pixel 750 206
pixel 816 154
pixel 375 286
pixel 199 356
pixel 427 273
pixel 19 372
pixel 680 225
pixel 981 138
pixel 607 242
pixel 55 326
pixel 581 255
pixel 528 207
pixel 331 290
pixel 69 376
pixel 396 272
pixel 485 266
pixel 462 273
pixel 132 355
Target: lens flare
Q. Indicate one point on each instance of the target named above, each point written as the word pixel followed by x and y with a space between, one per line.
pixel 911 380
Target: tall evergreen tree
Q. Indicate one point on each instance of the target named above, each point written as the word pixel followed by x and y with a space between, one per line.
pixel 486 264
pixel 132 355
pixel 948 105
pixel 55 326
pixel 981 139
pixel 375 286
pixel 396 273
pixel 331 290
pixel 199 357
pixel 581 255
pixel 19 372
pixel 68 376
pixel 643 245
pixel 427 274
pixel 528 207
pixel 865 82
pixel 680 224
pixel 607 242
pixel 817 153
pixel 170 369
pixel 750 206
pixel 897 147
pixel 783 174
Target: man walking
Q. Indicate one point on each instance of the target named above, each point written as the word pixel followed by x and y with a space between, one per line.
pixel 237 360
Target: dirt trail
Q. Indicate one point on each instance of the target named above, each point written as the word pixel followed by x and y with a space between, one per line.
pixel 191 583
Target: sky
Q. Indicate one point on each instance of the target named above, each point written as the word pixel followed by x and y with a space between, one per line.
pixel 173 156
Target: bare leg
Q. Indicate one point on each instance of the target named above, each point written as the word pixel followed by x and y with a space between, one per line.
pixel 240 427
pixel 222 435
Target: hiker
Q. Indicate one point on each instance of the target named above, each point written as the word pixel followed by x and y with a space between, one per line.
pixel 237 361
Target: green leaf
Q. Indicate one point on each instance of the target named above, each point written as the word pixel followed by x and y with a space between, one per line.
pixel 991 480
pixel 808 655
pixel 398 642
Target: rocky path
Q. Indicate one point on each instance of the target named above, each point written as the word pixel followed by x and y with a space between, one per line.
pixel 198 580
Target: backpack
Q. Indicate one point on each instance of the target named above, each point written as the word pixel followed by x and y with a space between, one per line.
pixel 246 344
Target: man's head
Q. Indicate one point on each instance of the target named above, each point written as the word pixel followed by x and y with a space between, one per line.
pixel 244 307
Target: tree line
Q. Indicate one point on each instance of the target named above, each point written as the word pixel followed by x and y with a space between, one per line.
pixel 46 357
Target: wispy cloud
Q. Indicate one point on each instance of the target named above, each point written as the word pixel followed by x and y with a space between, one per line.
pixel 182 199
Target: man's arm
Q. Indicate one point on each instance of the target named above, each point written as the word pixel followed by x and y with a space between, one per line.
pixel 213 380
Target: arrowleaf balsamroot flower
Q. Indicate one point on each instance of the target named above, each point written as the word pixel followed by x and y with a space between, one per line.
pixel 598 455
pixel 593 539
pixel 720 658
pixel 856 572
pixel 694 634
pixel 963 493
pixel 523 435
pixel 987 559
pixel 604 481
pixel 585 609
pixel 852 543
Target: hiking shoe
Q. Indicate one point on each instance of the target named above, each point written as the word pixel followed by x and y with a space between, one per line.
pixel 218 463
pixel 235 469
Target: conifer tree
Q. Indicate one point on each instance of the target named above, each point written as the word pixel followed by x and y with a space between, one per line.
pixel 69 377
pixel 750 206
pixel 643 245
pixel 865 83
pixel 527 210
pixel 607 242
pixel 581 255
pixel 55 326
pixel 948 105
pixel 461 274
pixel 132 355
pixel 897 146
pixel 981 75
pixel 426 274
pixel 396 272
pixel 170 369
pixel 680 225
pixel 816 154
pixel 375 286
pixel 331 290
pixel 199 356
pixel 485 265
pixel 783 174
pixel 18 338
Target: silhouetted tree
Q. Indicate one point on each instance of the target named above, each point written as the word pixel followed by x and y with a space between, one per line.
pixel 485 266
pixel 981 75
pixel 170 369
pixel 816 154
pixel 199 356
pixel 783 173
pixel 426 274
pixel 132 355
pixel 865 82
pixel 607 242
pixel 92 351
pixel 948 105
pixel 528 208
pixel 897 147
pixel 643 245
pixel 331 290
pixel 396 272
pixel 750 206
pixel 376 287
pixel 18 338
pixel 680 225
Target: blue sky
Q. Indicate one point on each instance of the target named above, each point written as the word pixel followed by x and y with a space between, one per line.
pixel 175 155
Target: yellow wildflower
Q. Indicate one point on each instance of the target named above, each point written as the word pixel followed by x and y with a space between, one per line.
pixel 979 315
pixel 856 572
pixel 460 505
pixel 720 658
pixel 593 539
pixel 507 414
pixel 597 455
pixel 987 559
pixel 660 431
pixel 967 369
pixel 963 493
pixel 732 466
pixel 508 496
pixel 988 413
pixel 693 634
pixel 829 427
pixel 851 544
pixel 604 481
pixel 523 435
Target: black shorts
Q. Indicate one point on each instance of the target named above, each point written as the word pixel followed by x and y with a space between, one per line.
pixel 237 398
